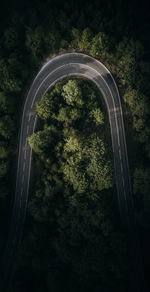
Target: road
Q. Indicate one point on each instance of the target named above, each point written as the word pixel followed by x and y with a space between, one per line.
pixel 69 64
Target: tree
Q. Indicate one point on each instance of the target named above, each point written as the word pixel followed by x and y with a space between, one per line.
pixel 75 38
pixel 100 45
pixel 34 38
pixel 8 82
pixel 63 115
pixel 141 181
pixel 6 103
pixel 97 116
pixel 4 151
pixel 72 93
pixel 138 103
pixel 141 189
pixel 11 38
pixel 73 144
pixel 85 40
pixel 67 114
pixel 7 127
pixel 40 140
pixel 38 210
pixel 99 168
pixel 125 53
pixel 44 107
pixel 53 41
pixel 4 190
pixel 4 167
pixel 147 148
pixel 86 164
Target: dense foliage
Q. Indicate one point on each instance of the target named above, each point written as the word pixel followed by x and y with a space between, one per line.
pixel 74 193
pixel 116 34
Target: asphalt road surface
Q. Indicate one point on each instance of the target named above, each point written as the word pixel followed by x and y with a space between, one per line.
pixel 69 64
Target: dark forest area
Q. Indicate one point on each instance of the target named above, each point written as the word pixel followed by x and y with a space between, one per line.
pixel 94 256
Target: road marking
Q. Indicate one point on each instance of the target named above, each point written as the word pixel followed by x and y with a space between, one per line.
pixel 25 154
pixel 123 181
pixel 21 190
pixel 124 193
pixel 27 129
pixel 20 204
pixel 26 142
pixel 34 123
pixel 23 166
pixel 120 154
pixel 22 178
pixel 29 117
pixel 121 168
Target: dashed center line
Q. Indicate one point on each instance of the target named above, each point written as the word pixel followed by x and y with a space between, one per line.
pixel 124 194
pixel 25 154
pixel 27 129
pixel 123 180
pixel 26 142
pixel 121 168
pixel 23 166
pixel 120 154
pixel 22 178
pixel 29 117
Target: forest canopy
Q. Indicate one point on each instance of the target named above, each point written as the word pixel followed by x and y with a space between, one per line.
pixel 74 190
pixel 116 33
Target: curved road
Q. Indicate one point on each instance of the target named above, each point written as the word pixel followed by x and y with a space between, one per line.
pixel 54 70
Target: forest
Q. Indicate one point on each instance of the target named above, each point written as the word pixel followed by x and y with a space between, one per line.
pixel 74 194
pixel 31 32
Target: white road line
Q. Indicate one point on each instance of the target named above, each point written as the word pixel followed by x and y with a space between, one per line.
pixel 27 129
pixel 23 166
pixel 29 117
pixel 123 181
pixel 22 178
pixel 21 190
pixel 120 154
pixel 121 168
pixel 25 153
pixel 124 192
pixel 26 142
pixel 34 123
